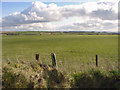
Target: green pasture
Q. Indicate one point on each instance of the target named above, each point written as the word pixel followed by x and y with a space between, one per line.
pixel 74 53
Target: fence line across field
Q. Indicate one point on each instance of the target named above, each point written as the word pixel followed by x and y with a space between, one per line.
pixel 54 63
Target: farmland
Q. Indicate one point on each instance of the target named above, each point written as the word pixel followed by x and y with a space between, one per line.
pixel 74 53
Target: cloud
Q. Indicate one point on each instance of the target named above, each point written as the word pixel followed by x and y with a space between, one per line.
pixel 40 14
pixel 90 25
pixel 29 27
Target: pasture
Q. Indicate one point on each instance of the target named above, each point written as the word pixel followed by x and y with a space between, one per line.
pixel 74 53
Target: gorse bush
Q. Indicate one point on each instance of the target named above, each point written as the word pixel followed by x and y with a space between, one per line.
pixel 55 78
pixel 82 80
pixel 13 80
pixel 114 74
pixel 32 75
pixel 97 74
pixel 37 75
pixel 96 79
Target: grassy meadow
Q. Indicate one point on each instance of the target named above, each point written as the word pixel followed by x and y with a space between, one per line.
pixel 74 53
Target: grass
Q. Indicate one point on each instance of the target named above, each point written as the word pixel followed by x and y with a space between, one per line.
pixel 75 59
pixel 73 52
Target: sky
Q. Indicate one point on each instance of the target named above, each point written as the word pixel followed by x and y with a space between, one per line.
pixel 83 15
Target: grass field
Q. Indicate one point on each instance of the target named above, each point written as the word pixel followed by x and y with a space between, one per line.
pixel 74 53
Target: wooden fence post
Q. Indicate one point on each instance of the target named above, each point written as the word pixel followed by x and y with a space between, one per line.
pixel 37 57
pixel 53 59
pixel 96 60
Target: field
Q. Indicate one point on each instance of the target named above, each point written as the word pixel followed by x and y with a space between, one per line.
pixel 74 53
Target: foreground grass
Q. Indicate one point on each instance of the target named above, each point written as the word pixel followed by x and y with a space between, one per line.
pixel 74 53
pixel 37 75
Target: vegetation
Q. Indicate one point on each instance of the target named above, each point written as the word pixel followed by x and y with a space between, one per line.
pixel 37 75
pixel 58 33
pixel 32 75
pixel 73 52
pixel 75 59
pixel 97 79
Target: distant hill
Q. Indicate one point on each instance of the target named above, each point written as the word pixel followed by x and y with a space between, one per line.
pixel 57 32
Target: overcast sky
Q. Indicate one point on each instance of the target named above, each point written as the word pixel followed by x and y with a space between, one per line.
pixel 97 15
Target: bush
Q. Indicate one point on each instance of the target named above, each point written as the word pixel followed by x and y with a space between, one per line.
pixel 96 79
pixel 115 74
pixel 33 76
pixel 55 78
pixel 44 76
pixel 13 80
pixel 81 80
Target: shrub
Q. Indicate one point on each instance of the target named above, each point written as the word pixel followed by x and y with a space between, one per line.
pixel 81 80
pixel 96 79
pixel 115 74
pixel 13 80
pixel 55 78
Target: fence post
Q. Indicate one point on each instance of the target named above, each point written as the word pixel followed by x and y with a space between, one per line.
pixel 37 57
pixel 53 59
pixel 96 60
